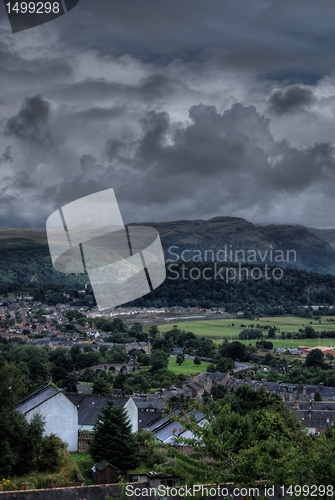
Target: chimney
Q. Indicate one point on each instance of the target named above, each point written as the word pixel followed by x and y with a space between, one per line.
pixel 161 397
pixel 296 405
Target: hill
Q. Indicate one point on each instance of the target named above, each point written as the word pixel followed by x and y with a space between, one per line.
pixel 291 246
pixel 24 254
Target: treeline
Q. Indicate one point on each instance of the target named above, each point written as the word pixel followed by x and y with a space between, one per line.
pixel 27 268
pixel 30 264
pixel 271 296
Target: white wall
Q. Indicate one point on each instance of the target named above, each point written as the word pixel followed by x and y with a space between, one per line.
pixel 132 414
pixel 61 418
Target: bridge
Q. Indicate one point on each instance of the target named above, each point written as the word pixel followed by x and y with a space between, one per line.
pixel 114 368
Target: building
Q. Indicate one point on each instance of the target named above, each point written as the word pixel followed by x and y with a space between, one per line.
pixel 166 429
pixel 59 413
pixel 304 350
pixel 104 473
pixel 143 410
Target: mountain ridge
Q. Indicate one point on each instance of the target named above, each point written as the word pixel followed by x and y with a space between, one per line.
pixel 314 249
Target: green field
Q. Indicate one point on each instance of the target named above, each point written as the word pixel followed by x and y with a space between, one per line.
pixel 188 367
pixel 221 329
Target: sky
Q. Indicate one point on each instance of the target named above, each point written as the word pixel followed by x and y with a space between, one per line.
pixel 189 109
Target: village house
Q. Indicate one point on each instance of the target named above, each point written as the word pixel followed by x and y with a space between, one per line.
pixel 143 410
pixel 166 429
pixel 59 413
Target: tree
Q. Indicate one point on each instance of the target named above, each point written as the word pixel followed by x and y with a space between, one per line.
pixel 137 383
pixel 75 352
pixel 315 358
pixel 113 440
pixel 116 355
pixel 101 387
pixel 197 360
pixel 58 373
pixel 159 359
pixel 119 381
pixel 180 359
pixel 143 359
pixel 70 382
pixel 153 332
pixel 224 364
pixel 22 442
pixel 263 441
pixel 88 375
pixel 218 392
pixel 211 367
pixel 310 333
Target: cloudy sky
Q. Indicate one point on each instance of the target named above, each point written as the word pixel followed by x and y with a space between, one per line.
pixel 189 109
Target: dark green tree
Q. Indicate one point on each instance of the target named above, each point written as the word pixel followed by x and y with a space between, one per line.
pixel 101 387
pixel 224 364
pixel 315 358
pixel 159 359
pixel 153 332
pixel 211 367
pixel 22 442
pixel 218 392
pixel 113 440
pixel 180 359
pixel 119 381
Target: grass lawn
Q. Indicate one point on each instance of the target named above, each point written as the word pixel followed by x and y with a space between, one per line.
pixel 220 329
pixel 188 367
pixel 84 463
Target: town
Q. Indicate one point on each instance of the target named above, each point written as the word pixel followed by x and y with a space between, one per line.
pixel 79 361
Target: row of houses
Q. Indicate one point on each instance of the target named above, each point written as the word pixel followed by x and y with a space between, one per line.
pixel 68 415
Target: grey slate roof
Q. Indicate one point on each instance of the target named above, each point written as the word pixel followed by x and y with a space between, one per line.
pixel 73 397
pixel 88 409
pixel 145 418
pixel 152 403
pixel 35 398
pixel 328 392
pixel 43 341
pixel 165 428
pixel 89 406
pixel 103 464
pixel 195 386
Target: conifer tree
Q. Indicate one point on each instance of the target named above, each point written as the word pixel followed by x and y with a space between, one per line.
pixel 113 439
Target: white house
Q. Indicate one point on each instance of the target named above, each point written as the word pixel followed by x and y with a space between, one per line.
pixel 59 413
pixel 141 411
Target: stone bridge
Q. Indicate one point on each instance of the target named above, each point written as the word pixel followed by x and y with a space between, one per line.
pixel 115 368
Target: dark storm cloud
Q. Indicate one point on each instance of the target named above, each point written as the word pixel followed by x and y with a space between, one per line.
pixel 290 100
pixel 29 124
pixel 98 114
pixel 6 155
pixel 299 169
pixel 21 180
pixel 278 36
pixel 120 77
pixel 215 164
pixel 149 89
